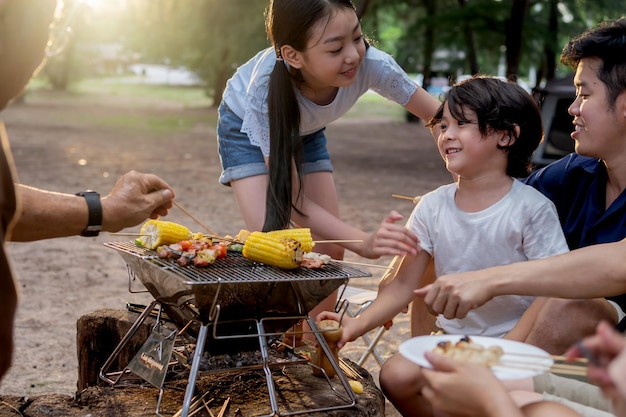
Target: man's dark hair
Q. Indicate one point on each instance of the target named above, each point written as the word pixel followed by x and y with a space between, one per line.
pixel 606 42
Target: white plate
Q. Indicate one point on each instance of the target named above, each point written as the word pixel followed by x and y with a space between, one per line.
pixel 523 360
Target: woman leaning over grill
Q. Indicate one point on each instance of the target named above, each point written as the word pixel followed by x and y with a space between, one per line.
pixel 271 128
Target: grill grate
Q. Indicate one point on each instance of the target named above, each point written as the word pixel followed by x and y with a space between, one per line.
pixel 236 269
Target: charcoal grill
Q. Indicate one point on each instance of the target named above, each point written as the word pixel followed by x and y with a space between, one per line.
pixel 235 299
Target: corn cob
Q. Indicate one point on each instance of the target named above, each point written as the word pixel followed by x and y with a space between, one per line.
pixel 302 235
pixel 155 233
pixel 271 250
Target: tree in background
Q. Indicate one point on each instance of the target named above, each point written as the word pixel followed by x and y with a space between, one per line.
pixel 443 37
pixel 209 37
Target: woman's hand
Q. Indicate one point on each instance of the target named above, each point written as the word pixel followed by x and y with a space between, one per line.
pixel 464 389
pixel 390 239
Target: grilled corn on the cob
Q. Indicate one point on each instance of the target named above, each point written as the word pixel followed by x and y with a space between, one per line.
pixel 271 250
pixel 155 233
pixel 302 235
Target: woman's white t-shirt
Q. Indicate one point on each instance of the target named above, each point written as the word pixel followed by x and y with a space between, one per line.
pixel 246 94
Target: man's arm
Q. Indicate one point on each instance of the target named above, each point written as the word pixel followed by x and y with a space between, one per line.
pixel 134 198
pixel 591 272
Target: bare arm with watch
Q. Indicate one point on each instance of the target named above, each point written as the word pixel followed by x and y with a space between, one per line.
pixel 134 198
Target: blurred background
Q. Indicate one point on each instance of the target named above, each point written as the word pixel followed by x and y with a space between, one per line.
pixel 201 42
pixel 194 46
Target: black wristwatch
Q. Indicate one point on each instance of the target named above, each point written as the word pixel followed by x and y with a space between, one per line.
pixel 95 213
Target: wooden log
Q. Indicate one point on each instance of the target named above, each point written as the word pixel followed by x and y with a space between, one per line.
pixel 100 332
pixel 97 335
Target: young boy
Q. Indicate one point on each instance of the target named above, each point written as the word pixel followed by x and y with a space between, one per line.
pixel 488 132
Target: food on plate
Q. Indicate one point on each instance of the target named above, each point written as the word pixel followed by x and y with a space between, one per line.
pixel 466 350
pixel 272 250
pixel 155 233
pixel 302 235
pixel 314 260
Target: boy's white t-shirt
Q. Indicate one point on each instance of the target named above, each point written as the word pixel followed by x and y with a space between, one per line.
pixel 246 93
pixel 523 225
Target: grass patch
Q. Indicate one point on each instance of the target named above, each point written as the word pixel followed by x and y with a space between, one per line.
pixel 127 105
pixel 373 106
pixel 151 124
pixel 189 97
pixel 122 93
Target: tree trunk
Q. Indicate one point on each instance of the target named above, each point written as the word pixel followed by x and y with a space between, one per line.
pixel 470 45
pixel 514 27
pixel 429 41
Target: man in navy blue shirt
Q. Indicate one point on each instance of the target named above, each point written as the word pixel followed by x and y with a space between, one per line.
pixel 588 191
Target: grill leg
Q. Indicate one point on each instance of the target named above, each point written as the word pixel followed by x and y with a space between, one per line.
pixel 129 335
pixel 195 366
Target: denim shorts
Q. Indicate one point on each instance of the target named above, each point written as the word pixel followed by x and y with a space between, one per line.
pixel 241 159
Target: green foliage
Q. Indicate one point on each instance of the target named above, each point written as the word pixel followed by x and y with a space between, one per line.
pixel 209 37
pixel 213 37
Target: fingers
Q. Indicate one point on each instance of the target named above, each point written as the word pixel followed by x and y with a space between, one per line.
pixel 163 198
pixel 423 292
pixel 391 240
pixel 393 217
pixel 327 315
pixel 444 300
pixel 440 363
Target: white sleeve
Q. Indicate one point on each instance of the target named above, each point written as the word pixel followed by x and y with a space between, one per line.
pixel 256 124
pixel 543 236
pixel 393 82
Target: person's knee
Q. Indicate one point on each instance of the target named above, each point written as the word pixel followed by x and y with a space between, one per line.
pixel 563 322
pixel 399 377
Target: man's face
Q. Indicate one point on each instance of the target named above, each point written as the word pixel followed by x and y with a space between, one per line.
pixel 24 27
pixel 598 128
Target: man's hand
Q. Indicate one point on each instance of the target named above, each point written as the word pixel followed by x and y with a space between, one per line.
pixel 134 198
pixel 456 294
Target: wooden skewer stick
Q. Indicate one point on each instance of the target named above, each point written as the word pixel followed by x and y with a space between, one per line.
pixel 554 357
pixel 224 407
pixel 362 264
pixel 194 218
pixel 557 369
pixel 569 370
pixel 406 197
pixel 126 234
pixel 339 241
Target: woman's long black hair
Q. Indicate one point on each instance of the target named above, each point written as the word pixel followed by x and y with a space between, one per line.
pixel 288 22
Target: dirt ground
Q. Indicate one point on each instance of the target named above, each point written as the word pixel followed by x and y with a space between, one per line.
pixel 57 148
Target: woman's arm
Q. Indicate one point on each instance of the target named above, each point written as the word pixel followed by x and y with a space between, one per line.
pixel 422 104
pixel 390 239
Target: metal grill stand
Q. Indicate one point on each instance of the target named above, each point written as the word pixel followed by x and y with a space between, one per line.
pixel 233 292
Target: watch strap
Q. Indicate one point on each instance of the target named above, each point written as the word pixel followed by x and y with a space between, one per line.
pixel 94 224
